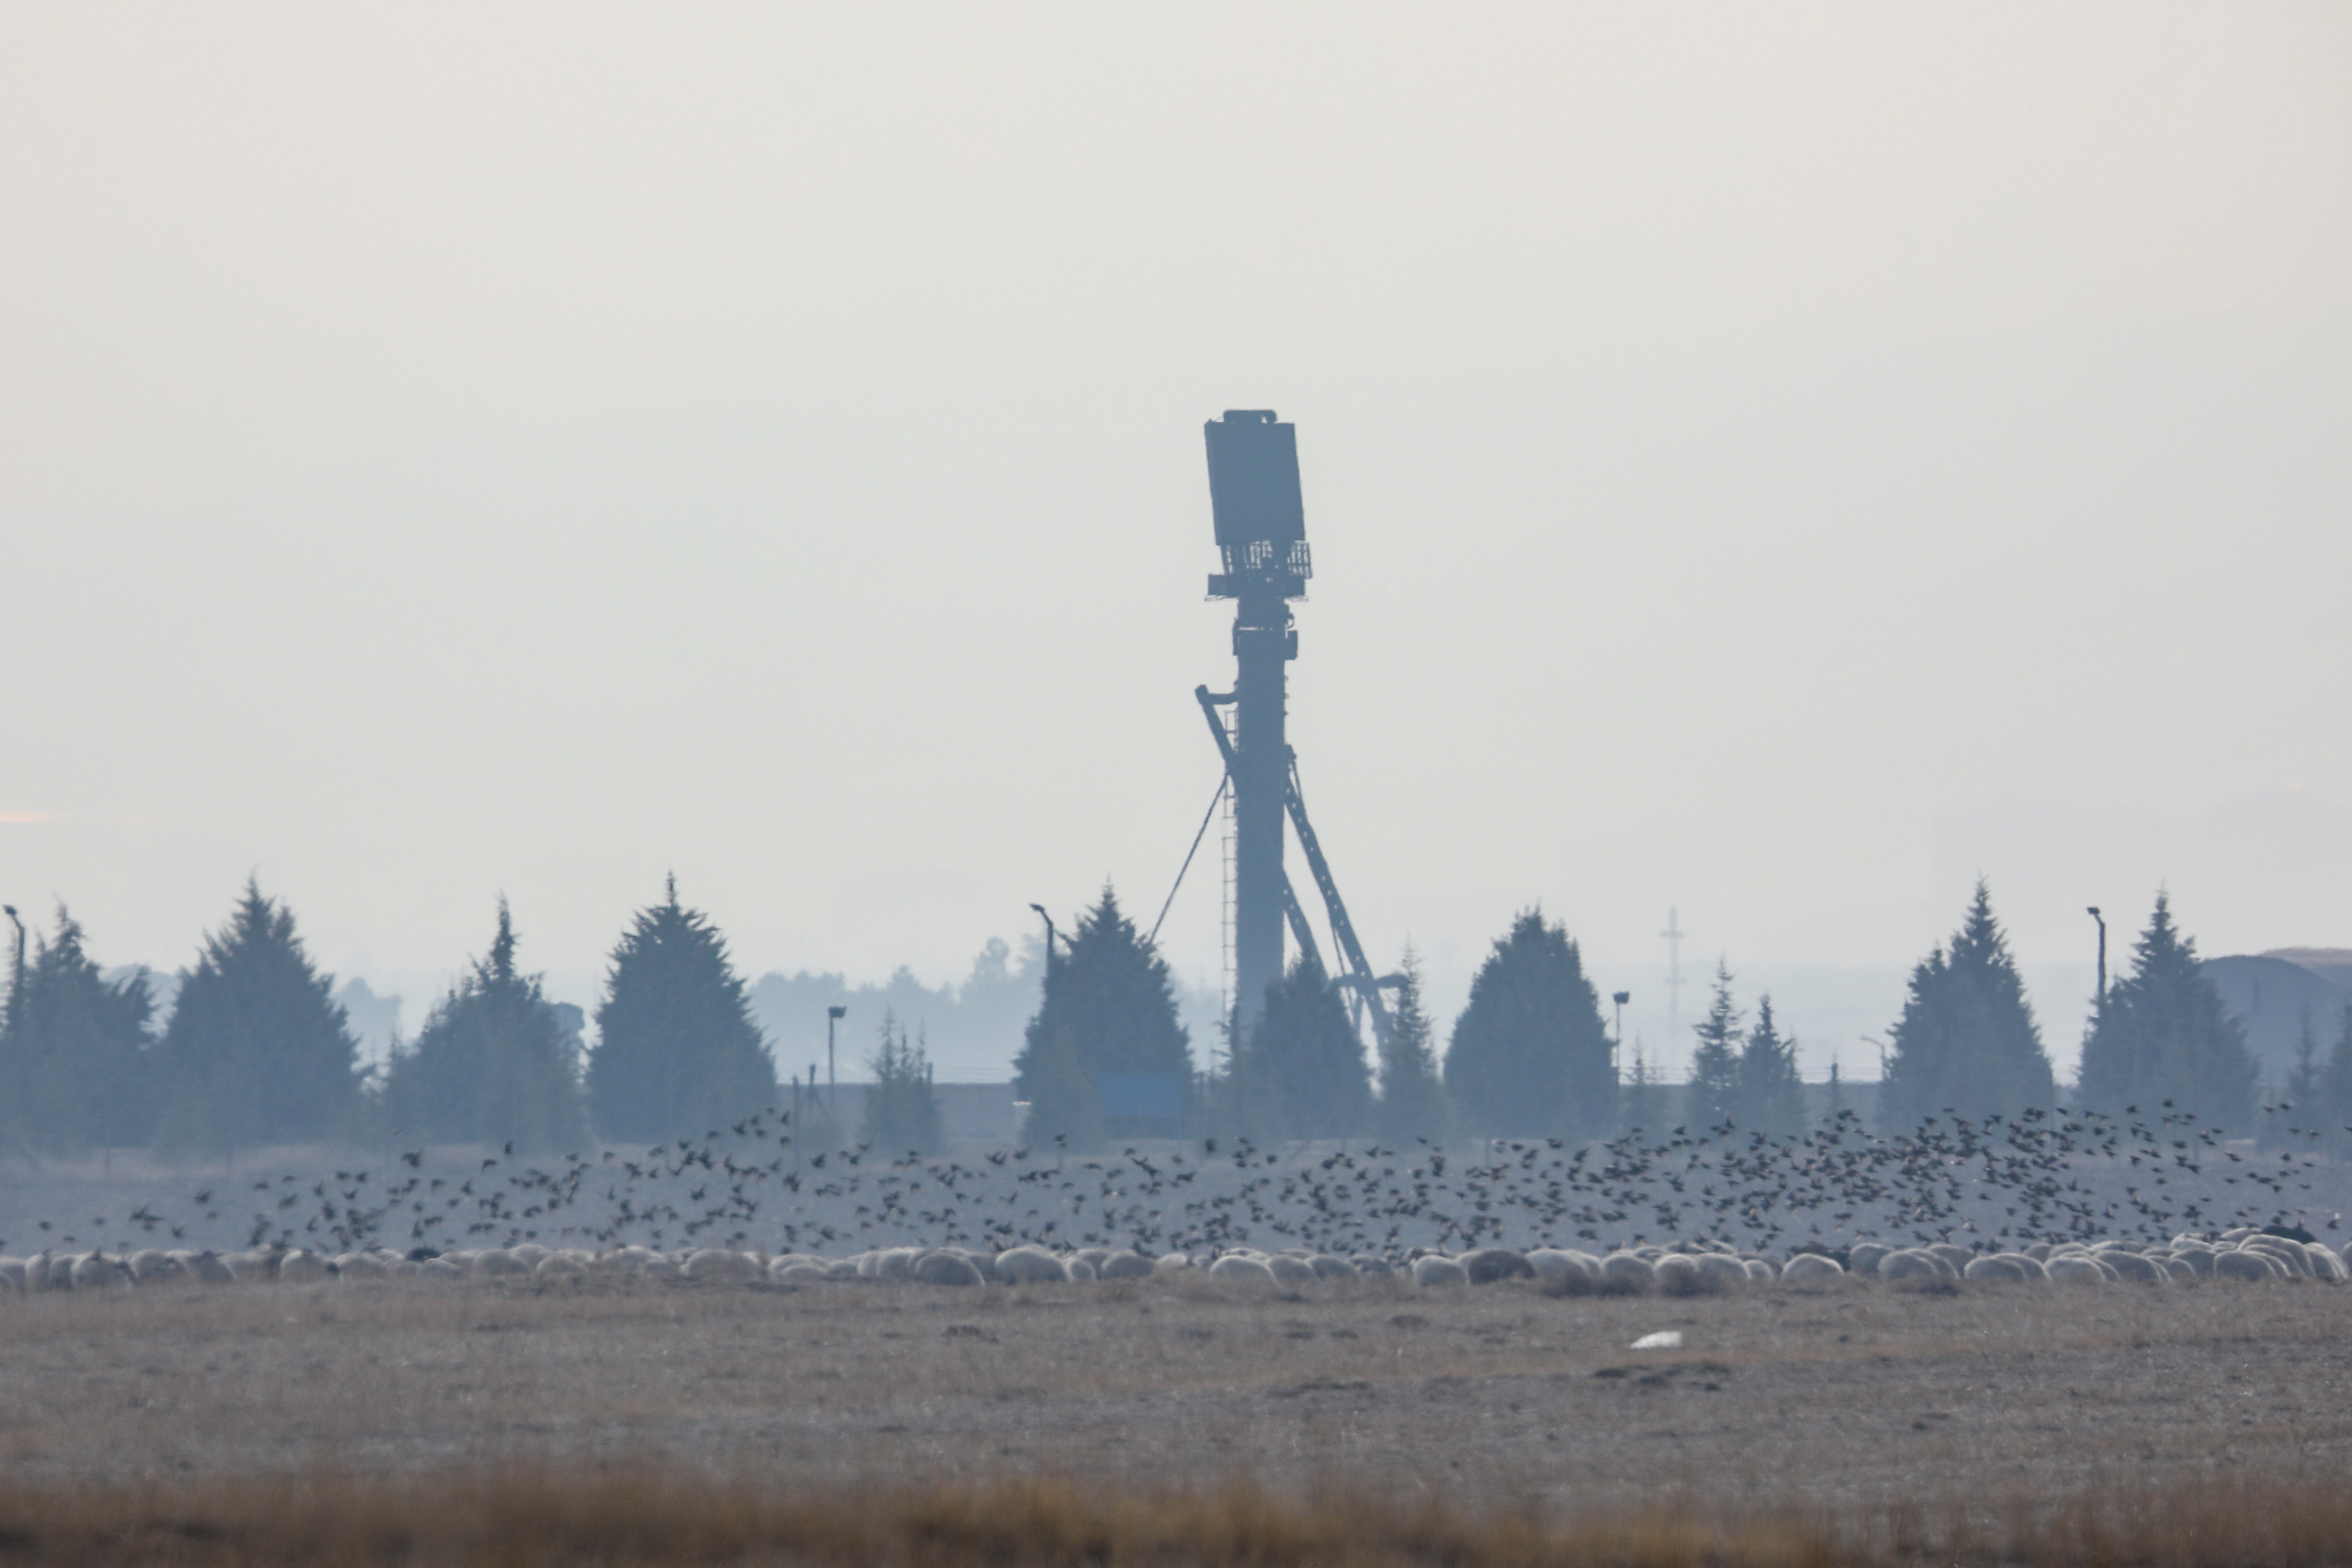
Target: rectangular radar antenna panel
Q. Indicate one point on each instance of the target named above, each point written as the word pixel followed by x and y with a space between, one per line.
pixel 1253 495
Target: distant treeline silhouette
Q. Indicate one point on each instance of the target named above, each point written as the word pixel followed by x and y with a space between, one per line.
pixel 256 1051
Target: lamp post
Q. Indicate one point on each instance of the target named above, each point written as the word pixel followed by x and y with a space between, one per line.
pixel 1049 941
pixel 832 1079
pixel 15 972
pixel 1617 1046
pixel 2100 999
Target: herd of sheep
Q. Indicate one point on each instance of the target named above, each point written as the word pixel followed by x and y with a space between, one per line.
pixel 1694 1268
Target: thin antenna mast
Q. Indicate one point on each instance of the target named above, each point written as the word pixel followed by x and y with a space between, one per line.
pixel 1673 935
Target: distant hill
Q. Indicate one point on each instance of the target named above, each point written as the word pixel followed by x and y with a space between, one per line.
pixel 2273 995
pixel 2333 965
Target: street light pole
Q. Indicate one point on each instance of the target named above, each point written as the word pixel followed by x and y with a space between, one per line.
pixel 1617 1046
pixel 1049 941
pixel 833 1079
pixel 2100 1005
pixel 17 971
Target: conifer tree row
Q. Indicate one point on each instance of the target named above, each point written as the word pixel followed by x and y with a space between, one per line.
pixel 1967 1042
pixel 492 1065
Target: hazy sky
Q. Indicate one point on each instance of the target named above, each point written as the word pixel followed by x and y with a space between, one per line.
pixel 1772 462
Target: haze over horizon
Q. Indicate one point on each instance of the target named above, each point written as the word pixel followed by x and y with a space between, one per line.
pixel 1776 466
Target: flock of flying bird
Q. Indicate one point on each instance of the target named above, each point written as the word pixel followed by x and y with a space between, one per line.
pixel 1999 1183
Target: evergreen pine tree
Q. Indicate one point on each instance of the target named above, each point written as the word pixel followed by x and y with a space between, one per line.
pixel 1110 1007
pixel 494 1063
pixel 78 1054
pixel 1967 1040
pixel 2336 1088
pixel 1715 1081
pixel 902 1113
pixel 256 1051
pixel 2302 1108
pixel 1413 1100
pixel 1304 1063
pixel 1530 1056
pixel 677 1053
pixel 2164 1034
pixel 1771 1095
pixel 1643 1104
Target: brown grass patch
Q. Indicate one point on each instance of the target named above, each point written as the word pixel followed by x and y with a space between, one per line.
pixel 640 1514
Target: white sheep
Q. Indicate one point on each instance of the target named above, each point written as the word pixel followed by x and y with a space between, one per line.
pixel 1124 1264
pixel 1863 1256
pixel 1485 1265
pixel 719 1265
pixel 1719 1271
pixel 945 1267
pixel 302 1267
pixel 1811 1268
pixel 1432 1269
pixel 2071 1268
pixel 1234 1269
pixel 1291 1271
pixel 1030 1265
pixel 1628 1271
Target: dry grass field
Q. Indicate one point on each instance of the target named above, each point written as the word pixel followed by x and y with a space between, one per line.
pixel 1864 1419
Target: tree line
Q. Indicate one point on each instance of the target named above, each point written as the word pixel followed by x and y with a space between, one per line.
pixel 1530 1056
pixel 255 1050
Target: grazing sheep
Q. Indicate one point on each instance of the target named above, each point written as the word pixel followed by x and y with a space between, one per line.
pixel 717 1265
pixel 1234 1269
pixel 1080 1269
pixel 1327 1267
pixel 1370 1267
pixel 1864 1256
pixel 497 1263
pixel 1558 1263
pixel 1719 1271
pixel 1485 1265
pixel 1626 1271
pixel 1170 1263
pixel 2239 1263
pixel 1811 1268
pixel 12 1273
pixel 1431 1270
pixel 151 1267
pixel 1124 1264
pixel 807 1274
pixel 2325 1265
pixel 1957 1257
pixel 1031 1266
pixel 1677 1275
pixel 1998 1270
pixel 1092 1257
pixel 530 1253
pixel 1293 1272
pixel 946 1268
pixel 95 1271
pixel 1761 1269
pixel 302 1267
pixel 2135 1266
pixel 2068 1270
pixel 1911 1264
pixel 562 1266
pixel 2195 1259
pixel 207 1268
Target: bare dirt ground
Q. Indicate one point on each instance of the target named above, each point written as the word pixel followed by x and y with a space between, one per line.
pixel 1858 1396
